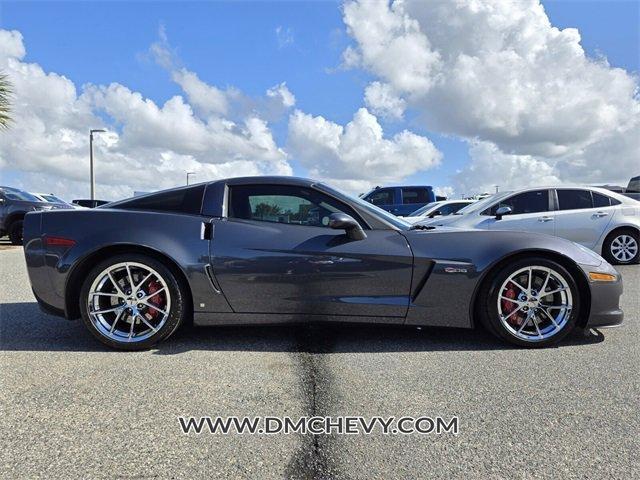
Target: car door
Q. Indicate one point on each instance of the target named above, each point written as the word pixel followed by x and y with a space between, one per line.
pixel 384 198
pixel 531 211
pixel 582 215
pixel 274 253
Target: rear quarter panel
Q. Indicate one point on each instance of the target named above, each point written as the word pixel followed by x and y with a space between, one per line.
pixel 176 236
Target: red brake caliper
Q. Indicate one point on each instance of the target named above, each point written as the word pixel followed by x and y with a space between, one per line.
pixel 157 300
pixel 508 307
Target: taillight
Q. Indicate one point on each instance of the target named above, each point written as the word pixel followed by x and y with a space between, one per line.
pixel 59 242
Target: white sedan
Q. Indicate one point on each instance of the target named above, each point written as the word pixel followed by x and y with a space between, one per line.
pixel 437 209
pixel 596 218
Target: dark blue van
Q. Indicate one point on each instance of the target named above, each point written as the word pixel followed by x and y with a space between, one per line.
pixel 401 200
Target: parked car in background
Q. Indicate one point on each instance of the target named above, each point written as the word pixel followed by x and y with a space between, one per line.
pixel 437 209
pixel 51 198
pixel 633 188
pixel 598 219
pixel 401 200
pixel 14 205
pixel 89 203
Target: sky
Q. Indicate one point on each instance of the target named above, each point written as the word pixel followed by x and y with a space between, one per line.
pixel 459 95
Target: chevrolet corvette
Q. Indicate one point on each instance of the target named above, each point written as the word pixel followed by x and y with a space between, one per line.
pixel 276 250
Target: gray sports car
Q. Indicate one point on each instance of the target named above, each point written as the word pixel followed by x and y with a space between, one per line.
pixel 284 250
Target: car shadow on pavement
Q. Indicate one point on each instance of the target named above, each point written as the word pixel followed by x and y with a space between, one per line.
pixel 24 327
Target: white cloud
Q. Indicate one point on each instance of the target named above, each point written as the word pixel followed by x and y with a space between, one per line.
pixel 498 71
pixel 284 36
pixel 490 167
pixel 445 191
pixel 383 101
pixel 207 99
pixel 148 146
pixel 357 155
pixel 282 93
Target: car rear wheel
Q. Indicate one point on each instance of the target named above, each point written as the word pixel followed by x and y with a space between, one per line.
pixel 532 302
pixel 622 247
pixel 131 302
pixel 15 232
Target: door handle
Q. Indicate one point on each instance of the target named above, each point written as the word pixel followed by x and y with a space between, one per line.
pixel 545 219
pixel 600 214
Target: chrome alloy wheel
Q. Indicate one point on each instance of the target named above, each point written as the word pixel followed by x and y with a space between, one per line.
pixel 535 303
pixel 624 248
pixel 128 302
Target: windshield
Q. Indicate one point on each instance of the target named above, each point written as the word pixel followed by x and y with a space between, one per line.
pixel 13 194
pixel 371 208
pixel 53 199
pixel 422 210
pixel 481 204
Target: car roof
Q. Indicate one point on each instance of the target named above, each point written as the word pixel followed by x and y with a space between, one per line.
pixel 272 179
pixel 601 190
pixel 402 186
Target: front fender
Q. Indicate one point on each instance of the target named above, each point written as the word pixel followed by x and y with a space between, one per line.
pixel 451 264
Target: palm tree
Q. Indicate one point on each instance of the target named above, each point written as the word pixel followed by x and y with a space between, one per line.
pixel 5 104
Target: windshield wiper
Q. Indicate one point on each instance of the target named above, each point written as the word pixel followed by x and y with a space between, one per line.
pixel 422 227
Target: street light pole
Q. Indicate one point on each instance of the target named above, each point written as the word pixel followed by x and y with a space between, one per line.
pixel 91 172
pixel 188 174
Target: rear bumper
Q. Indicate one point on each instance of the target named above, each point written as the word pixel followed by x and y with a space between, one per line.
pixel 40 265
pixel 47 308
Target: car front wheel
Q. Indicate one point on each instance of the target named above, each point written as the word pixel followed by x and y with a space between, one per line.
pixel 532 302
pixel 131 302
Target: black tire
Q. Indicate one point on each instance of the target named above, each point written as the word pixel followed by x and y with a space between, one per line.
pixel 608 244
pixel 177 310
pixel 488 302
pixel 15 232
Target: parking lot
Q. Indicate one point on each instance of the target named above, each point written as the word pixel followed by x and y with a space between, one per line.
pixel 72 408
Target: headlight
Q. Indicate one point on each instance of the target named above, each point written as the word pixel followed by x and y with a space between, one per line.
pixel 43 207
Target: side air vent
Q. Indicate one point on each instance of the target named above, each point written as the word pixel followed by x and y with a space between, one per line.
pixel 212 279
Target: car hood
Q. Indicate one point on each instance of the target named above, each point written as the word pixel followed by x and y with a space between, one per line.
pixel 442 220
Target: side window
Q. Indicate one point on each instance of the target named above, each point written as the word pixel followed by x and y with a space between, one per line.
pixel 600 200
pixel 455 207
pixel 534 201
pixel 285 204
pixel 574 199
pixel 414 195
pixel 383 196
pixel 448 209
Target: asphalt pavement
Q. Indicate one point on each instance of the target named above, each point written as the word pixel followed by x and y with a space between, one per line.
pixel 71 408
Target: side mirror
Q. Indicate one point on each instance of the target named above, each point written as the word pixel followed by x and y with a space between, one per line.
pixel 342 221
pixel 435 213
pixel 502 211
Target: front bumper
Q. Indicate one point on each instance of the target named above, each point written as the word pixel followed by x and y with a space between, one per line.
pixel 605 308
